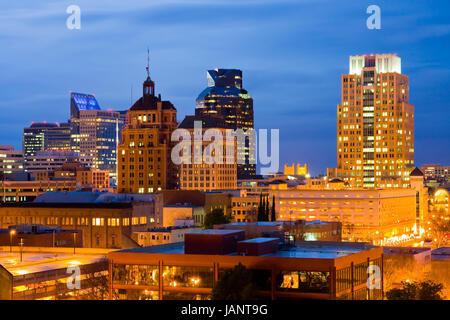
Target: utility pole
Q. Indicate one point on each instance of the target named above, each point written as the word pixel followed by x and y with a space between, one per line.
pixel 21 249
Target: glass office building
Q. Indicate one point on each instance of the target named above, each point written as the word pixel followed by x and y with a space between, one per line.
pixel 225 96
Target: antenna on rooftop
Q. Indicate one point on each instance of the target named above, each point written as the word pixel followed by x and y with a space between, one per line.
pixel 148 63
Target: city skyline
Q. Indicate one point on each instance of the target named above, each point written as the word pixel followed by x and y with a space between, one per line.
pixel 301 81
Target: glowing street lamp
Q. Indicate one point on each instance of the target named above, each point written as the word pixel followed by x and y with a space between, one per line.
pixel 11 233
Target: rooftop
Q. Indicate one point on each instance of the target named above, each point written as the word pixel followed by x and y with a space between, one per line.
pixel 38 262
pixel 404 250
pixel 307 250
pixel 441 253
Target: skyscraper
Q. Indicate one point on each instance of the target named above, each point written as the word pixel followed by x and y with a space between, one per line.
pixel 225 96
pixel 375 123
pixel 94 132
pixel 33 139
pixel 144 154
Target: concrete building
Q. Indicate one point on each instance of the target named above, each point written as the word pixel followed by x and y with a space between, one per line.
pixel 189 270
pixel 40 236
pixel 380 216
pixel 11 160
pixel 375 123
pixel 107 220
pixel 157 236
pixel 301 230
pixel 28 190
pixel 49 161
pixel 202 167
pixel 179 203
pixel 436 172
pixel 44 275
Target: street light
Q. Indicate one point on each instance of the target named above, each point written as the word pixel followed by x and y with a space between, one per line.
pixel 74 241
pixel 11 233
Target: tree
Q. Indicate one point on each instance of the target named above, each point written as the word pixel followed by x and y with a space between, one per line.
pixel 266 212
pixel 274 217
pixel 260 208
pixel 216 216
pixel 425 290
pixel 440 227
pixel 235 284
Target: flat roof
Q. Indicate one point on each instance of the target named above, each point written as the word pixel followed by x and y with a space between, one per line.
pixel 305 250
pixel 442 253
pixel 38 261
pixel 215 231
pixel 404 250
pixel 260 240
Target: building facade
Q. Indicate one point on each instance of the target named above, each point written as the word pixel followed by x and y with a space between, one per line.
pixel 189 270
pixel 11 161
pixel 226 97
pixel 379 216
pixel 94 132
pixel 375 123
pixel 106 220
pixel 204 168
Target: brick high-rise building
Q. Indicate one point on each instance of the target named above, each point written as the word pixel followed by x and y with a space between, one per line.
pixel 375 123
pixel 144 154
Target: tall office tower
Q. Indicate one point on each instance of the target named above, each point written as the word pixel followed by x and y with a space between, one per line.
pixel 144 154
pixel 11 161
pixel 199 173
pixel 225 96
pixel 33 138
pixel 58 138
pixel 94 132
pixel 375 123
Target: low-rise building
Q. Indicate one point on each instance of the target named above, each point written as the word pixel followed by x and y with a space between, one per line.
pixel 49 275
pixel 300 229
pixel 40 236
pixel 380 216
pixel 189 270
pixel 107 220
pixel 156 236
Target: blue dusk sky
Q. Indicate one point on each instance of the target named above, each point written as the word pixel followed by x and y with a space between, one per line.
pixel 292 54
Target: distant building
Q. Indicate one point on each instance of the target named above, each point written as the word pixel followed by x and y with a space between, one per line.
pixel 157 236
pixel 94 132
pixel 189 270
pixel 47 161
pixel 295 170
pixel 27 190
pixel 33 139
pixel 181 203
pixel 301 230
pixel 226 97
pixel 11 161
pixel 436 172
pixel 204 173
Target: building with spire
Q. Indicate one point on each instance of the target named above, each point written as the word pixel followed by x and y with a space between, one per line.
pixel 144 154
pixel 225 97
